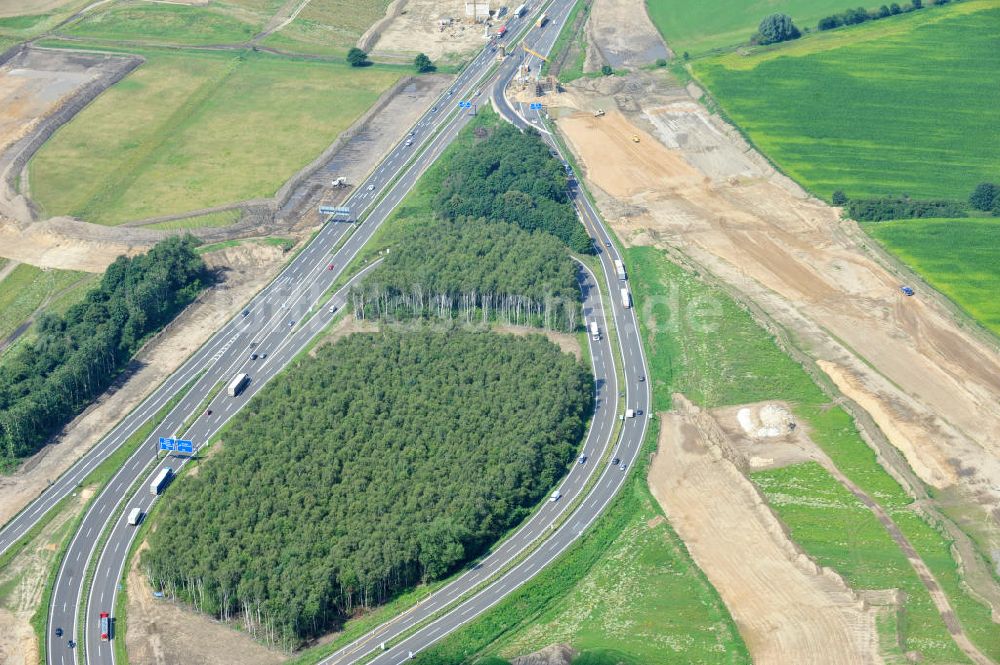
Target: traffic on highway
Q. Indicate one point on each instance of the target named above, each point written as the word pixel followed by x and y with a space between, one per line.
pixel 256 344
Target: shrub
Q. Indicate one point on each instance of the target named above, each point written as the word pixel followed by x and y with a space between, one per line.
pixel 357 58
pixel 839 198
pixel 984 196
pixel 423 64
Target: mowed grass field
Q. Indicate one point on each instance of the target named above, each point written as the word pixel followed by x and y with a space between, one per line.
pixel 904 105
pixel 958 257
pixel 27 288
pixel 329 27
pixel 191 130
pixel 698 27
pixel 166 23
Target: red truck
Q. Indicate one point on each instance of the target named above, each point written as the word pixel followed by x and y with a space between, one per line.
pixel 501 31
pixel 105 626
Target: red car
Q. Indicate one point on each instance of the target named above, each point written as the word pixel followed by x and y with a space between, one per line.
pixel 105 626
pixel 330 267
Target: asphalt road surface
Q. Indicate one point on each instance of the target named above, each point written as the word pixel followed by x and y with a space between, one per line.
pixel 274 326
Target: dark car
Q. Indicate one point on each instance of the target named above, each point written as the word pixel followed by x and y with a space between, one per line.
pixel 246 312
pixel 253 356
pixel 616 461
pixel 642 377
pixel 208 412
pixel 59 632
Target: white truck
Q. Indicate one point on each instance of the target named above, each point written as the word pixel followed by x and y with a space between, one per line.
pixel 237 385
pixel 595 333
pixel 161 480
pixel 519 12
pixel 620 270
pixel 134 516
pixel 626 298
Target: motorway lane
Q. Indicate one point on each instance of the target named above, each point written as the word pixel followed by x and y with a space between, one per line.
pixel 610 480
pixel 310 280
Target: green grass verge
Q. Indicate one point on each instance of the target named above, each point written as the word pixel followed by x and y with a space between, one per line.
pixel 571 44
pixel 698 27
pixel 196 129
pixel 892 107
pixel 285 244
pixel 586 597
pixel 702 343
pixel 837 530
pixel 41 616
pixel 27 288
pixel 958 257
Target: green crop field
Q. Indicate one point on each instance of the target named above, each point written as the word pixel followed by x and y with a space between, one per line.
pixel 701 343
pixel 896 106
pixel 27 288
pixel 193 130
pixel 958 257
pixel 328 27
pixel 698 27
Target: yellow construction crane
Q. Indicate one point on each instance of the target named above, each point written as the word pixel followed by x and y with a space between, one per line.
pixel 534 53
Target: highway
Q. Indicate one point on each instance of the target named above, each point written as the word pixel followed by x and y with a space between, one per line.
pixel 274 326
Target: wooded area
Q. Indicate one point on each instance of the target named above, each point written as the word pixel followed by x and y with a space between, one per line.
pixel 386 460
pixel 473 270
pixel 511 177
pixel 78 355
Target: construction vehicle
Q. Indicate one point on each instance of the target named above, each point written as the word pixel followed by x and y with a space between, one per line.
pixel 339 181
pixel 635 138
pixel 598 113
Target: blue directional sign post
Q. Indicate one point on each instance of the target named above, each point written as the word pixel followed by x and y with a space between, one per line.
pixel 467 105
pixel 167 444
pixel 185 446
pixel 535 106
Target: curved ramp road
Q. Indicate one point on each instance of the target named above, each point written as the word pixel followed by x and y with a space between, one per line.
pixel 273 326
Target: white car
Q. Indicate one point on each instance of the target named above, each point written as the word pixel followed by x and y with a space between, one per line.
pixel 556 495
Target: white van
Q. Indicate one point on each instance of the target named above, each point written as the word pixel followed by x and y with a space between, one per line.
pixel 555 496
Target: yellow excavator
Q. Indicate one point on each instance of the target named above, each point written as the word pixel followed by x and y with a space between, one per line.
pixel 534 53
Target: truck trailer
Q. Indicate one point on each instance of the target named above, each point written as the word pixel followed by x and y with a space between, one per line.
pixel 620 270
pixel 161 480
pixel 626 298
pixel 519 12
pixel 237 385
pixel 134 516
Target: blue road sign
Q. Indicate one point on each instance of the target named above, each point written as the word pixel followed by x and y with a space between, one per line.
pixel 185 446
pixel 327 210
pixel 465 105
pixel 167 444
pixel 535 106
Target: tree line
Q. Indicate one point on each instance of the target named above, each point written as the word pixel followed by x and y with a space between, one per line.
pixel 470 270
pixel 862 15
pixel 511 177
pixel 76 356
pixel 387 460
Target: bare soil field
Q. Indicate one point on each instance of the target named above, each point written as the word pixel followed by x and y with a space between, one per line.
pixel 163 633
pixel 691 186
pixel 787 608
pixel 619 33
pixel 30 7
pixel 26 574
pixel 415 30
pixel 248 268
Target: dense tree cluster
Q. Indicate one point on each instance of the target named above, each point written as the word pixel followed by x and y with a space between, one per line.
pixel 76 356
pixel 880 210
pixel 775 28
pixel 472 270
pixel 986 197
pixel 385 460
pixel 861 15
pixel 511 177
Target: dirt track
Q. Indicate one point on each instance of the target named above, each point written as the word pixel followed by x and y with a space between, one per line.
pixel 788 609
pixel 691 186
